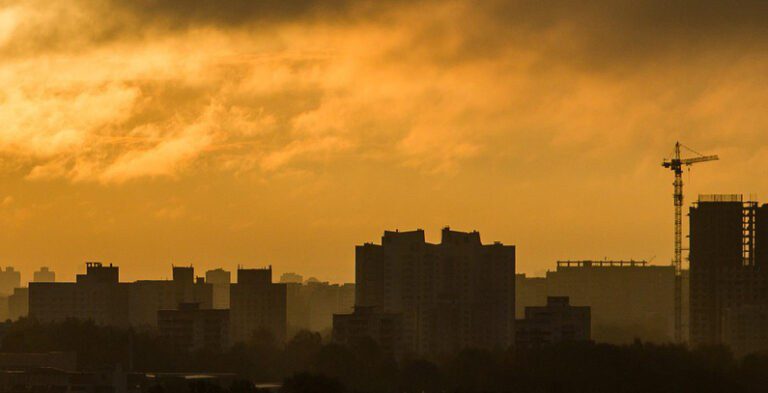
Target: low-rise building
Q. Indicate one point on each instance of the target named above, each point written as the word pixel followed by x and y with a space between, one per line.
pixel 558 321
pixel 386 329
pixel 189 327
pixel 98 295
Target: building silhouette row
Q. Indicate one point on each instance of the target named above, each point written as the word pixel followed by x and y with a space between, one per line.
pixel 181 309
pixel 628 299
pixel 429 299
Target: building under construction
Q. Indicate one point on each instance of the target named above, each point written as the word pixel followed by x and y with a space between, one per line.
pixel 728 263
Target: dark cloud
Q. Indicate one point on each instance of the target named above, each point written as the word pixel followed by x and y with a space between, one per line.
pixel 183 13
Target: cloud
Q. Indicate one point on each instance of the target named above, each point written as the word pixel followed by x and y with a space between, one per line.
pixel 115 91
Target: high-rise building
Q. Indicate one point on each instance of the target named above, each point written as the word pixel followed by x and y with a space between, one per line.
pixel 257 305
pixel 558 321
pixel 728 264
pixel 9 279
pixel 220 279
pixel 44 275
pixel 457 294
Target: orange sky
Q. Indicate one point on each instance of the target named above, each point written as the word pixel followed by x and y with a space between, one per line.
pixel 145 133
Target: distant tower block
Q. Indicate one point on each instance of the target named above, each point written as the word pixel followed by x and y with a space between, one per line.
pixel 44 275
pixel 9 279
pixel 220 279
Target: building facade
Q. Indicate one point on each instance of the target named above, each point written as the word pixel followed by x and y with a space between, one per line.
pixel 44 275
pixel 146 297
pixel 556 322
pixel 18 304
pixel 367 323
pixel 257 305
pixel 628 299
pixel 191 328
pixel 311 305
pixel 220 279
pixel 98 295
pixel 728 261
pixel 457 294
pixel 10 278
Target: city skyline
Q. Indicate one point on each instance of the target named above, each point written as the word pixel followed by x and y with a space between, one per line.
pixel 265 134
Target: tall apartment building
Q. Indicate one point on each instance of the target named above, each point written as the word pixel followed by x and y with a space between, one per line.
pixel 220 279
pixel 44 275
pixel 9 279
pixel 728 263
pixel 457 294
pixel 256 303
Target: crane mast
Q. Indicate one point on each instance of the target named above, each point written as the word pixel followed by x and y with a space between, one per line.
pixel 676 164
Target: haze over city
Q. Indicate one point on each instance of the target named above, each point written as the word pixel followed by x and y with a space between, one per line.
pixel 147 133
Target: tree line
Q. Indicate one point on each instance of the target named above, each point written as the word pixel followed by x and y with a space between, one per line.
pixel 306 363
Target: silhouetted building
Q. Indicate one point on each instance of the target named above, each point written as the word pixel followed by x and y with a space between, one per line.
pixel 220 279
pixel 453 295
pixel 147 297
pixel 192 328
pixel 18 304
pixel 9 279
pixel 728 266
pixel 44 275
pixel 529 291
pixel 312 305
pixel 367 323
pixel 629 299
pixel 257 304
pixel 556 322
pixel 97 295
pixel 4 308
pixel 291 278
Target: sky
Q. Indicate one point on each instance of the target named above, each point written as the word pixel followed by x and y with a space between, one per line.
pixel 147 133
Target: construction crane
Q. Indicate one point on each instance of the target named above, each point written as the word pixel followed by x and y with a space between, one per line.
pixel 676 164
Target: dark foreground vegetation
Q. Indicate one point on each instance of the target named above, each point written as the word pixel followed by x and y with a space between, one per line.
pixel 306 364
